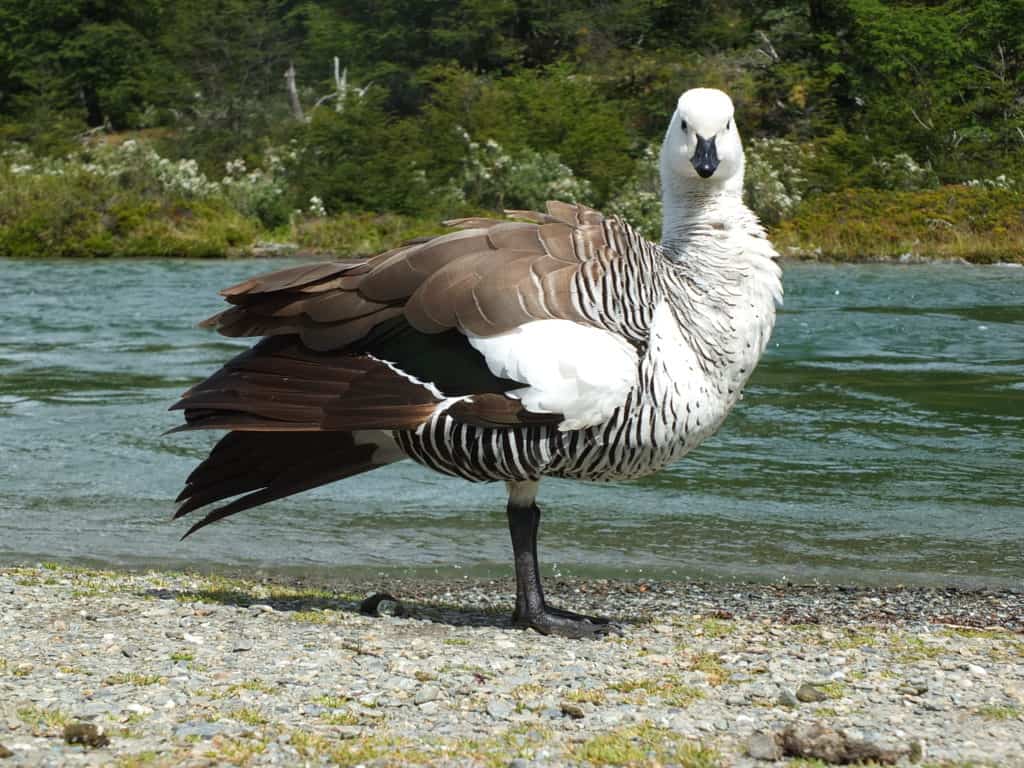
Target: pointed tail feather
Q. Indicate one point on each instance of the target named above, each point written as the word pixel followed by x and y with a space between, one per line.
pixel 271 465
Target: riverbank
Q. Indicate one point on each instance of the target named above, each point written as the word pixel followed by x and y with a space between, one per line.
pixel 978 225
pixel 142 206
pixel 179 669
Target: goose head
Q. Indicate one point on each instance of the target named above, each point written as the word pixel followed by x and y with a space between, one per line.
pixel 702 145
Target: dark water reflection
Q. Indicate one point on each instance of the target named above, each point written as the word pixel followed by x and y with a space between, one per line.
pixel 879 441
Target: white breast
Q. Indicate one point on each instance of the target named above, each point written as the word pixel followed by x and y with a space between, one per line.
pixel 696 404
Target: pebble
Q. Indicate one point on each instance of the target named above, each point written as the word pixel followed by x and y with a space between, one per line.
pixel 499 709
pixel 427 693
pixel 575 711
pixel 808 693
pixel 913 688
pixel 787 699
pixel 277 663
pixel 764 746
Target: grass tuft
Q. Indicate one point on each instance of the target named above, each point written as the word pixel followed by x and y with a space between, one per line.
pixel 1001 712
pixel 40 719
pixel 646 745
pixel 668 689
pixel 134 678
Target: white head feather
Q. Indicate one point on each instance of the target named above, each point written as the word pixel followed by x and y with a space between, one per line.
pixel 703 122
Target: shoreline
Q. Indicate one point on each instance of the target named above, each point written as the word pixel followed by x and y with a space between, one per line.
pixel 183 669
pixel 792 255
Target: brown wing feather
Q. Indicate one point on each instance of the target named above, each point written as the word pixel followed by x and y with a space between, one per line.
pixel 440 283
pixel 281 385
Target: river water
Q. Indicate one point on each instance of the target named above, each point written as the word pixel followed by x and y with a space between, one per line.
pixel 881 440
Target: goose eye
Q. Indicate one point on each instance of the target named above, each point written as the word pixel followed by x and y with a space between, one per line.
pixel 728 125
pixel 682 124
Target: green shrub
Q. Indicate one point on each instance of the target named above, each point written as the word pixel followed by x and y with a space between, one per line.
pixel 981 224
pixel 360 234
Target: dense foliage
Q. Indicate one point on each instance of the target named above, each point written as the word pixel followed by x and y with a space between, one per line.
pixel 452 106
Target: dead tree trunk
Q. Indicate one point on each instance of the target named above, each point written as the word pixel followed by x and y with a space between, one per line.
pixel 293 93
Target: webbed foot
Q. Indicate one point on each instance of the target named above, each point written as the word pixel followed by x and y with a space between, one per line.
pixel 576 626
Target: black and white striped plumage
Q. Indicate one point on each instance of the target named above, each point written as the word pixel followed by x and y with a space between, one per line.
pixel 554 344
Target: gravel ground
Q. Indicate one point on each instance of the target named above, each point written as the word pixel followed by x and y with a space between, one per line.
pixel 180 669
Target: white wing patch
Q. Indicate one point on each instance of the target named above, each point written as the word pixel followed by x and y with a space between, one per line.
pixel 584 373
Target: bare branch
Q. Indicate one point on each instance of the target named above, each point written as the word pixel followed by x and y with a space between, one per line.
pixel 771 53
pixel 341 88
pixel 293 93
pixel 927 126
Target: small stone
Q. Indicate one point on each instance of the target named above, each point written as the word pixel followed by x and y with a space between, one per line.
pixel 787 699
pixel 912 688
pixel 427 693
pixel 4 752
pixel 976 670
pixel 128 651
pixel 430 708
pixel 241 645
pixel 764 746
pixel 518 763
pixel 88 734
pixel 201 730
pixel 257 608
pixel 808 693
pixel 572 710
pixel 499 709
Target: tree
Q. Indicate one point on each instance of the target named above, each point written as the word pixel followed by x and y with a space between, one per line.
pixel 86 58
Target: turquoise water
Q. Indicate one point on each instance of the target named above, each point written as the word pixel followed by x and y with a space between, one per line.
pixel 881 440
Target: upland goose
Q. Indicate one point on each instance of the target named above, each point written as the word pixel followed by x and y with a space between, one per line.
pixel 557 344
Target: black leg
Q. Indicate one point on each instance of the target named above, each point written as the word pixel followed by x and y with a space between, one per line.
pixel 531 608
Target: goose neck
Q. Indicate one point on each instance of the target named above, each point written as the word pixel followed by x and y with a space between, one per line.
pixel 695 211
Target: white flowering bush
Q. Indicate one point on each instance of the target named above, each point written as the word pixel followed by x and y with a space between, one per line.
pixel 134 162
pixel 21 162
pixel 257 192
pixel 497 178
pixel 775 180
pixel 901 172
pixel 316 207
pixel 1002 181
